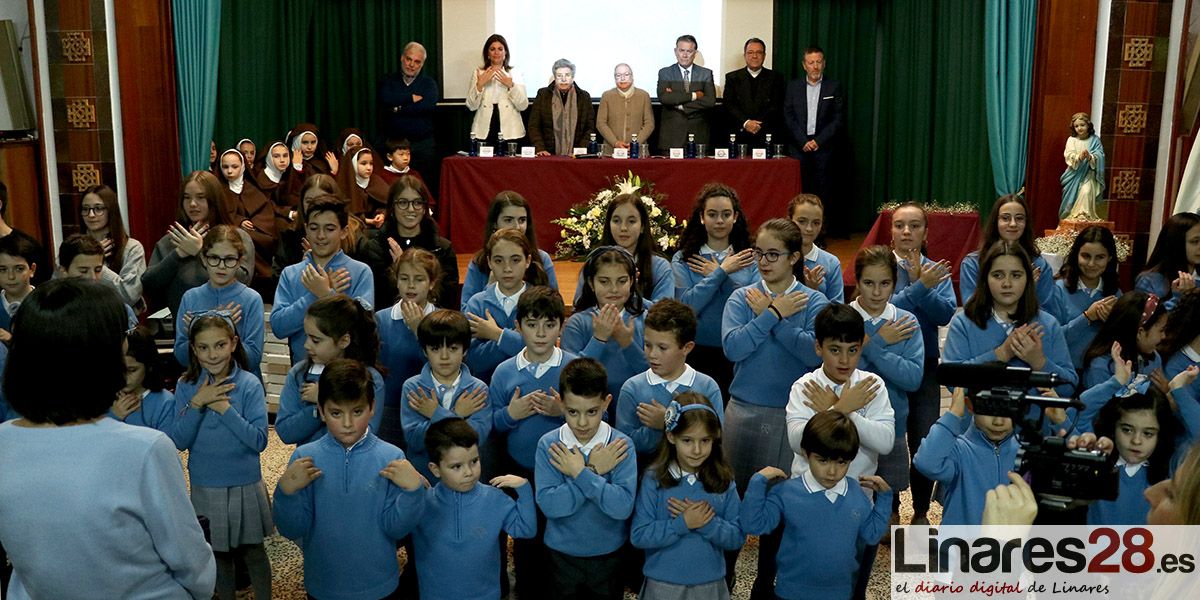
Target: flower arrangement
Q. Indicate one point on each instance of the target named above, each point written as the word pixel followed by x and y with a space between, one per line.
pixel 935 207
pixel 583 226
pixel 1061 240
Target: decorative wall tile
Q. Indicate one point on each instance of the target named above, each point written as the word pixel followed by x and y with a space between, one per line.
pixel 1139 52
pixel 85 175
pixel 1132 118
pixel 81 113
pixel 1125 184
pixel 77 46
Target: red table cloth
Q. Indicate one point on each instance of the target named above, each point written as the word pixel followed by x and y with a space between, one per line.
pixel 554 184
pixel 951 237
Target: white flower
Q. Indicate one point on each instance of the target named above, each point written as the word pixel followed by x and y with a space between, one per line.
pixel 564 234
pixel 664 242
pixel 604 195
pixel 587 243
pixel 594 213
pixel 626 187
pixel 655 212
pixel 649 201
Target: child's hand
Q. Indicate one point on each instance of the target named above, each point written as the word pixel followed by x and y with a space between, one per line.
pixel 772 473
pixel 548 405
pixel 933 274
pixel 1089 441
pixel 1159 380
pixel 958 402
pixel 511 482
pixel 676 506
pixel 298 475
pixel 820 398
pixel 874 483
pixel 1004 352
pixel 404 475
pixel 316 281
pixel 605 322
pixel 622 331
pixel 308 393
pixel 107 245
pixel 568 462
pixel 423 402
pixel 814 277
pixel 520 407
pixel 1028 347
pixel 698 514
pixel 1183 283
pixel 652 415
pixel 376 221
pixel 333 163
pixel 471 402
pixel 210 393
pixel 1122 369
pixel 736 261
pixel 394 249
pixel 1010 504
pixel 485 328
pixel 339 280
pixel 186 240
pixel 126 404
pixel 606 458
pixel 703 266
pixel 1184 378
pixel 1100 309
pixel 297 157
pixel 898 330
pixel 412 314
pixel 5 336
pixel 248 225
pixel 757 300
pixel 858 395
pixel 235 311
pixel 790 304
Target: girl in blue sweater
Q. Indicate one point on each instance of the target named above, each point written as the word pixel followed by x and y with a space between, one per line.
pixel 143 401
pixel 1008 222
pixel 221 253
pixel 418 275
pixel 714 258
pixel 334 327
pixel 627 224
pixel 1182 347
pixel 1137 323
pixel 508 210
pixel 821 270
pixel 492 311
pixel 1086 289
pixel 221 420
pixel 1143 429
pixel 1171 268
pixel 687 512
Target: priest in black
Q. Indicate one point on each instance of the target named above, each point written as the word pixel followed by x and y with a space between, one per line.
pixel 754 99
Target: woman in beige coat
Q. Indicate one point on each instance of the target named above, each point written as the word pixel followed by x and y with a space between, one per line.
pixel 624 111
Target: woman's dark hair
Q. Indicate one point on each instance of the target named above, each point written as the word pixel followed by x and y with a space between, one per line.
pixel 979 306
pixel 535 274
pixel 609 255
pixel 502 201
pixel 1183 323
pixel 1069 272
pixel 390 228
pixel 143 350
pixel 214 194
pixel 495 37
pixel 644 255
pixel 881 256
pixel 1158 464
pixel 204 323
pixel 991 228
pixel 66 363
pixel 924 218
pixel 714 473
pixel 340 315
pixel 424 260
pixel 1122 326
pixel 116 227
pixel 1170 252
pixel 695 235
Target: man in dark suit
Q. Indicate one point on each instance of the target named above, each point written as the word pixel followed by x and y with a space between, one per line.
pixel 754 98
pixel 813 110
pixel 687 93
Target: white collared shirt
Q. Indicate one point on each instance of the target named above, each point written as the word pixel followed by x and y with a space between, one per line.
pixel 1004 320
pixel 1191 353
pixel 360 440
pixel 508 303
pixel 791 288
pixel 398 315
pixel 687 378
pixel 813 253
pixel 813 96
pixel 389 168
pixel 719 256
pixel 11 306
pixel 888 314
pixel 445 392
pixel 540 369
pixel 813 486
pixel 567 437
pixel 754 73
pixel 1130 469
pixel 679 474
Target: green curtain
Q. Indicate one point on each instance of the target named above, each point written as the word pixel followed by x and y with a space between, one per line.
pixel 1009 32
pixel 197 25
pixel 295 61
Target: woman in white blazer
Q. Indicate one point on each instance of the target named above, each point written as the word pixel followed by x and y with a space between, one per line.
pixel 497 95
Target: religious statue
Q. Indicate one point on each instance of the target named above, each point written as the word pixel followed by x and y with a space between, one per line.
pixel 1083 181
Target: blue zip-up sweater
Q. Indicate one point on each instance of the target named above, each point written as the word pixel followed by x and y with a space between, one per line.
pixel 968 275
pixel 768 355
pixel 415 423
pixel 932 307
pixel 401 354
pixel 832 284
pixel 1131 505
pixel 348 520
pixel 900 365
pixel 674 553
pixel 249 329
pixel 820 538
pixel 967 343
pixel 588 515
pixel 476 280
pixel 707 294
pixel 223 449
pixel 292 299
pixel 299 422
pixel 968 464
pixel 664 281
pixel 1068 308
pixel 459 529
pixel 638 390
pixel 485 355
pixel 621 363
pixel 523 435
pixel 156 412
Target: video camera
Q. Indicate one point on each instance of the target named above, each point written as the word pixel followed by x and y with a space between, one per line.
pixel 1060 478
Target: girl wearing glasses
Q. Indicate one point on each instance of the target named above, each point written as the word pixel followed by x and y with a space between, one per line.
pixel 508 210
pixel 409 224
pixel 221 254
pixel 1008 222
pixel 124 257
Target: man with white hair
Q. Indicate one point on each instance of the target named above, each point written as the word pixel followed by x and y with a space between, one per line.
pixel 406 101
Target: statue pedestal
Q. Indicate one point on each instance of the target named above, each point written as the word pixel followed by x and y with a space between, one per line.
pixel 1073 227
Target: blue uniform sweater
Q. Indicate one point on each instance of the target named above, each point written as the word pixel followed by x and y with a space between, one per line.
pixel 156 412
pixel 299 422
pixel 967 343
pixel 588 515
pixel 416 424
pixel 476 280
pixel 768 354
pixel 1068 308
pixel 459 529
pixel 1100 368
pixel 523 435
pixel 401 354
pixel 1189 409
pixel 1153 282
pixel 292 299
pixel 674 553
pixel 638 390
pixel 621 363
pixel 664 281
pixel 932 307
pixel 707 294
pixel 485 355
pixel 1131 505
pixel 900 365
pixel 958 455
pixel 832 284
pixel 223 449
pixel 820 538
pixel 968 275
pixel 249 329
pixel 348 520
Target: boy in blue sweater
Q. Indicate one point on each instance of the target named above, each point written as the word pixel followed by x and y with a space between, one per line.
pixel 348 523
pixel 463 518
pixel 670 334
pixel 585 486
pixel 18 263
pixel 826 516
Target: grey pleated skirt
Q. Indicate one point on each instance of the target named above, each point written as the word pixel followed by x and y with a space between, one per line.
pixel 237 516
pixel 658 590
pixel 755 437
pixel 893 466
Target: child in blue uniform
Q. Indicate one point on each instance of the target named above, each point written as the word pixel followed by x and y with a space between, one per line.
pixel 144 401
pixel 586 478
pixel 821 271
pixel 688 509
pixel 826 516
pixel 1008 222
pixel 1138 323
pixel 627 224
pixel 492 311
pixel 18 263
pixel 1171 267
pixel 463 517
pixel 347 497
pixel 1086 289
pixel 418 275
pixel 1143 430
pixel 335 327
pixel 508 210
pixel 1182 349
pixel 221 420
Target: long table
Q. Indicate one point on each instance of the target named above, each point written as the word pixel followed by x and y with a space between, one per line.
pixel 952 236
pixel 554 184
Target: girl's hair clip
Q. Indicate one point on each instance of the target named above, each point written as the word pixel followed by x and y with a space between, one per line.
pixel 598 250
pixel 363 303
pixel 223 314
pixel 675 410
pixel 1151 306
